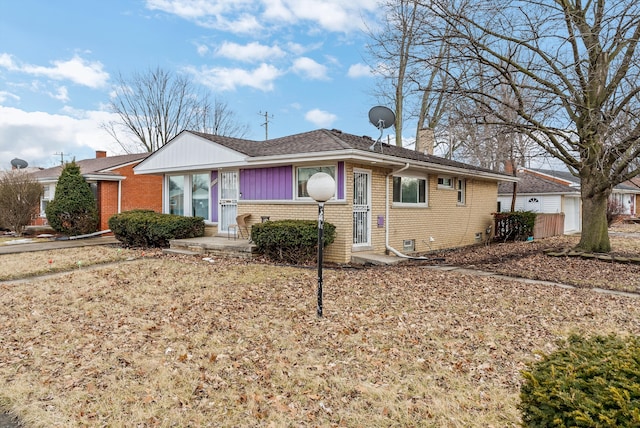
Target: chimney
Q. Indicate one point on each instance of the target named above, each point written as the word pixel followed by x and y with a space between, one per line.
pixel 425 141
pixel 101 154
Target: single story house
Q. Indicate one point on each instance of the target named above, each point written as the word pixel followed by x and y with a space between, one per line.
pixel 541 194
pixel 113 182
pixel 387 198
pixel 624 194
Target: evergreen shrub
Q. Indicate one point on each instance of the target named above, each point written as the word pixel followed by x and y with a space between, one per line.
pixel 291 241
pixel 146 228
pixel 585 383
pixel 73 210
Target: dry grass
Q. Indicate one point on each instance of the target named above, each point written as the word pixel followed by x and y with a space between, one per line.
pixel 21 265
pixel 172 341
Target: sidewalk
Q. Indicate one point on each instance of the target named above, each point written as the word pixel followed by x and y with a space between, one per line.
pixel 54 245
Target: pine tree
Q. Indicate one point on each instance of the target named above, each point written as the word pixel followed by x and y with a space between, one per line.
pixel 74 210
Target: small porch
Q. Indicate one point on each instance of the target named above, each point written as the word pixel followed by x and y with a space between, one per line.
pixel 224 246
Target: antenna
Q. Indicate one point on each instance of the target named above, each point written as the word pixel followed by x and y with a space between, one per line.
pixel 61 154
pixel 266 123
pixel 382 118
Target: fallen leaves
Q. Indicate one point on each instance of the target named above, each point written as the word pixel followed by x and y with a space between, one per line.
pixel 183 341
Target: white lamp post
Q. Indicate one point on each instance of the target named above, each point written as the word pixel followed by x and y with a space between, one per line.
pixel 321 187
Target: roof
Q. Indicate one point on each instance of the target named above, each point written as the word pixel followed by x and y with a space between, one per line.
pixel 567 176
pixel 535 184
pixel 324 140
pixel 95 166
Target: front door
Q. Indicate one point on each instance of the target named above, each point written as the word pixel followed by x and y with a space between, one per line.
pixel 361 208
pixel 228 201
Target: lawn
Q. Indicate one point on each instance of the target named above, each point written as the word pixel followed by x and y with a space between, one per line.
pixel 180 341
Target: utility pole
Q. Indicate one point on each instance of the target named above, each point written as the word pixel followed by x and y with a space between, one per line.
pixel 266 123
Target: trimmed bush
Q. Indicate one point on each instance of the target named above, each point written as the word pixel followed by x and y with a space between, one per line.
pixel 73 210
pixel 586 383
pixel 146 228
pixel 291 241
pixel 514 226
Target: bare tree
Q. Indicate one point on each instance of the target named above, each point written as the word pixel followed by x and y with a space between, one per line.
pixel 572 72
pixel 153 107
pixel 392 50
pixel 19 199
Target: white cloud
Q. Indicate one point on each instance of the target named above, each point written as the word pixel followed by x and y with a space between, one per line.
pixel 244 16
pixel 252 52
pixel 76 70
pixel 36 136
pixel 310 69
pixel 4 96
pixel 320 118
pixel 236 16
pixel 202 49
pixel 62 94
pixel 359 70
pixel 228 79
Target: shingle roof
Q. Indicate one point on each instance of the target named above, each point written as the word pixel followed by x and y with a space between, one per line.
pixel 566 175
pixel 534 184
pixel 93 166
pixel 324 140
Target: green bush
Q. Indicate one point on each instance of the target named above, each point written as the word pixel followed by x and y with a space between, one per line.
pixel 514 226
pixel 73 210
pixel 291 241
pixel 146 228
pixel 586 383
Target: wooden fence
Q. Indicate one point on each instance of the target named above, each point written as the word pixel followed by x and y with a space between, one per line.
pixel 548 225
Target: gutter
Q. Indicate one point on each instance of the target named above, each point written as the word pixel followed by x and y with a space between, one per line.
pixel 386 229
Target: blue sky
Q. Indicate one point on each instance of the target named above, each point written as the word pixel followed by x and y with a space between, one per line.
pixel 301 61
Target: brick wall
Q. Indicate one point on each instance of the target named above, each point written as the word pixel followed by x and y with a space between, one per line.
pixel 138 192
pixel 450 225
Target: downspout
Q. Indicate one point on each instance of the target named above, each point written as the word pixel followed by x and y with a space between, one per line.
pixel 119 196
pixel 386 229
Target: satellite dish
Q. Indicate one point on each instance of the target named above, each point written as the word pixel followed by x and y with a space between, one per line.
pixel 19 163
pixel 381 117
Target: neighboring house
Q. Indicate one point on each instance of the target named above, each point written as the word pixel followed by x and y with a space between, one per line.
pixel 634 183
pixel 113 182
pixel 542 194
pixel 624 194
pixel 387 198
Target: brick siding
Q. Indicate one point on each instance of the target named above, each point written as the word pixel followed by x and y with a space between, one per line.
pixel 451 225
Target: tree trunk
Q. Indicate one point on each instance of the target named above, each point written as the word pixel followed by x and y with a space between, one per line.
pixel 595 230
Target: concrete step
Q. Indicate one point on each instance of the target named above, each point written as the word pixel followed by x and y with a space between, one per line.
pixel 180 252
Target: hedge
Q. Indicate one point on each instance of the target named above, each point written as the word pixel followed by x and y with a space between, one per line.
pixel 291 241
pixel 146 228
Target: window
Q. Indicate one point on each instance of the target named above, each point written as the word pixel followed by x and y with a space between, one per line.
pixel 189 195
pixel 200 195
pixel 409 190
pixel 47 196
pixel 176 194
pixel 461 188
pixel 445 182
pixel 304 173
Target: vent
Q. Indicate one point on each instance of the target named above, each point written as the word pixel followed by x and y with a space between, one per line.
pixel 479 237
pixel 409 245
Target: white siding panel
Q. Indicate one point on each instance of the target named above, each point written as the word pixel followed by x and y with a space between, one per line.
pixel 551 204
pixel 188 152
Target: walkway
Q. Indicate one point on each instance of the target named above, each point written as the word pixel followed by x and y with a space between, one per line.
pixel 55 245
